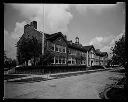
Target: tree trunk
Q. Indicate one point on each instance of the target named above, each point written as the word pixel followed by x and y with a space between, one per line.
pixel 26 62
pixel 34 61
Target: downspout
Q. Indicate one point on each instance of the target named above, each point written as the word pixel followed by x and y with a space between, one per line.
pixel 42 43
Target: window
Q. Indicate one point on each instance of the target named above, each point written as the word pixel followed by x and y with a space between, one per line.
pixel 64 60
pixel 57 60
pixel 57 49
pixel 69 51
pixel 73 61
pixel 52 60
pixel 69 62
pixel 52 47
pixel 64 49
pixel 60 49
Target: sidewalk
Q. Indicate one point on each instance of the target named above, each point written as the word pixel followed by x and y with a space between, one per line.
pixel 49 76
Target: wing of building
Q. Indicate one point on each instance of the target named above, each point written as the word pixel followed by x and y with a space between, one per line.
pixel 63 52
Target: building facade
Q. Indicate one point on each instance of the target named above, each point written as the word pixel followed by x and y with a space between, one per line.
pixel 65 53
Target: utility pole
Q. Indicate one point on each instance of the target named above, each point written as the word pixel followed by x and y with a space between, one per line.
pixel 43 33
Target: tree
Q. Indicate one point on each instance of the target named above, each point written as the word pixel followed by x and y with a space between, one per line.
pixel 29 48
pixel 5 56
pixel 46 59
pixel 9 62
pixel 119 56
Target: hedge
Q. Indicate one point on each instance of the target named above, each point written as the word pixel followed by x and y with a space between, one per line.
pixel 48 69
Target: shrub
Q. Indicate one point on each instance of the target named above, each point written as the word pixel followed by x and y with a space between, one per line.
pixel 96 67
pixel 49 69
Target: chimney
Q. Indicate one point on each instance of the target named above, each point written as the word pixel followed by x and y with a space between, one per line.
pixel 77 40
pixel 25 27
pixel 98 50
pixel 34 24
pixel 65 37
pixel 70 41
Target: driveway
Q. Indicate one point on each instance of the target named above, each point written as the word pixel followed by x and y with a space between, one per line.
pixel 85 86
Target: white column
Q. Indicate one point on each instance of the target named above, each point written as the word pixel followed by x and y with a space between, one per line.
pixel 65 49
pixel 54 47
pixel 54 60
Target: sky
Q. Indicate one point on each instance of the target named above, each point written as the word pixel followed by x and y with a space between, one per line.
pixel 95 24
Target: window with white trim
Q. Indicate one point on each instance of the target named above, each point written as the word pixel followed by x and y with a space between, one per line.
pixel 64 49
pixel 57 48
pixel 52 60
pixel 57 60
pixel 69 60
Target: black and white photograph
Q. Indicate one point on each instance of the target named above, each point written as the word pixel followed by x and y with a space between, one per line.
pixel 64 51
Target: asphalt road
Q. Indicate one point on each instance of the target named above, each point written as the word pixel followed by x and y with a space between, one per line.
pixel 85 86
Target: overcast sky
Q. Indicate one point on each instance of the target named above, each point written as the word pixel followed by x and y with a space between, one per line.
pixel 95 24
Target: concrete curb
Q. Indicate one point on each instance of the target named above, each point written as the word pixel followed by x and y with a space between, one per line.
pixel 105 93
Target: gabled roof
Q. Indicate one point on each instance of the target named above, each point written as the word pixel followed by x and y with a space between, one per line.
pixel 99 53
pixel 88 48
pixel 76 46
pixel 52 37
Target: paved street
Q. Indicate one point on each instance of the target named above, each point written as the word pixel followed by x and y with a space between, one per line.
pixel 85 86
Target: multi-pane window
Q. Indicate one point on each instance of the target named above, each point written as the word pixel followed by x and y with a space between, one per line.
pixel 52 46
pixel 72 52
pixel 69 51
pixel 52 60
pixel 59 60
pixel 57 48
pixel 83 62
pixel 64 49
pixel 71 61
pixel 60 49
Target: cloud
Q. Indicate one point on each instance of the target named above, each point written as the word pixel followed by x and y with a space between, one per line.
pixel 100 42
pixel 10 39
pixel 19 30
pixel 107 48
pixel 9 45
pixel 50 17
pixel 96 41
pixel 82 8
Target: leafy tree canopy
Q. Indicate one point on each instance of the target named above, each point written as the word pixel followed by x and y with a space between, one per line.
pixel 119 54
